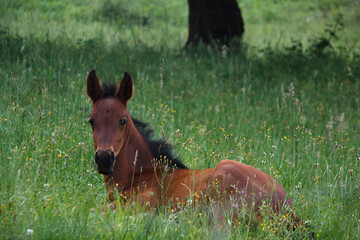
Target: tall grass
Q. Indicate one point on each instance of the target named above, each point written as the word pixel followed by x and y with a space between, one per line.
pixel 284 108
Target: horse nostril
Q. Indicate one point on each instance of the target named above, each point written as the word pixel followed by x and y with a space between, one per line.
pixel 97 157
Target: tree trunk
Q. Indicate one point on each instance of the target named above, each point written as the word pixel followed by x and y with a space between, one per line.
pixel 214 21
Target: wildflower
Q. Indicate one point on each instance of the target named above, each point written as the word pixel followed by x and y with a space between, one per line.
pixel 5 120
pixel 59 156
pixel 224 51
pixel 29 232
pixel 243 192
pixel 178 133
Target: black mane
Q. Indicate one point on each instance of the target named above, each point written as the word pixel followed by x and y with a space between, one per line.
pixel 161 150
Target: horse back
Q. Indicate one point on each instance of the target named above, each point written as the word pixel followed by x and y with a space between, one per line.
pixel 245 184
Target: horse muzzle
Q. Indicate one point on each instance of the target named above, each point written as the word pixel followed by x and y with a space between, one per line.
pixel 105 161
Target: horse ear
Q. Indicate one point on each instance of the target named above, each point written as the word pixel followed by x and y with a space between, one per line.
pixel 93 86
pixel 125 91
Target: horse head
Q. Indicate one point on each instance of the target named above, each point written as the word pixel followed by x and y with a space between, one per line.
pixel 109 119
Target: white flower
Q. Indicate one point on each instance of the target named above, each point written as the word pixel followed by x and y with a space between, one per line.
pixel 29 232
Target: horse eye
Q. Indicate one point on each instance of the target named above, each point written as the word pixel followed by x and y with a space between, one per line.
pixel 123 122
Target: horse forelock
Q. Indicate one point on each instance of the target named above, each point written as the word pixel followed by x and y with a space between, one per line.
pixel 107 90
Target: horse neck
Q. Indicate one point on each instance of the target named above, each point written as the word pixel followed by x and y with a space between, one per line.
pixel 135 156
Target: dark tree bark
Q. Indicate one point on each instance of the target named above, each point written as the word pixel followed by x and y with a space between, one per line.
pixel 214 21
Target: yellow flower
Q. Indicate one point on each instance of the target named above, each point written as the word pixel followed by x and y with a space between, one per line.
pixel 59 155
pixel 5 120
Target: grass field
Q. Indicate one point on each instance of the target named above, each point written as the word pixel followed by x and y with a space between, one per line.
pixel 282 104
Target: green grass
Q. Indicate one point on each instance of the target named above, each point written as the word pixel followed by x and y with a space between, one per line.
pixel 290 111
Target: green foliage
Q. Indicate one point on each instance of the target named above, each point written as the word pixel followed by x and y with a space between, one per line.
pixel 284 105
